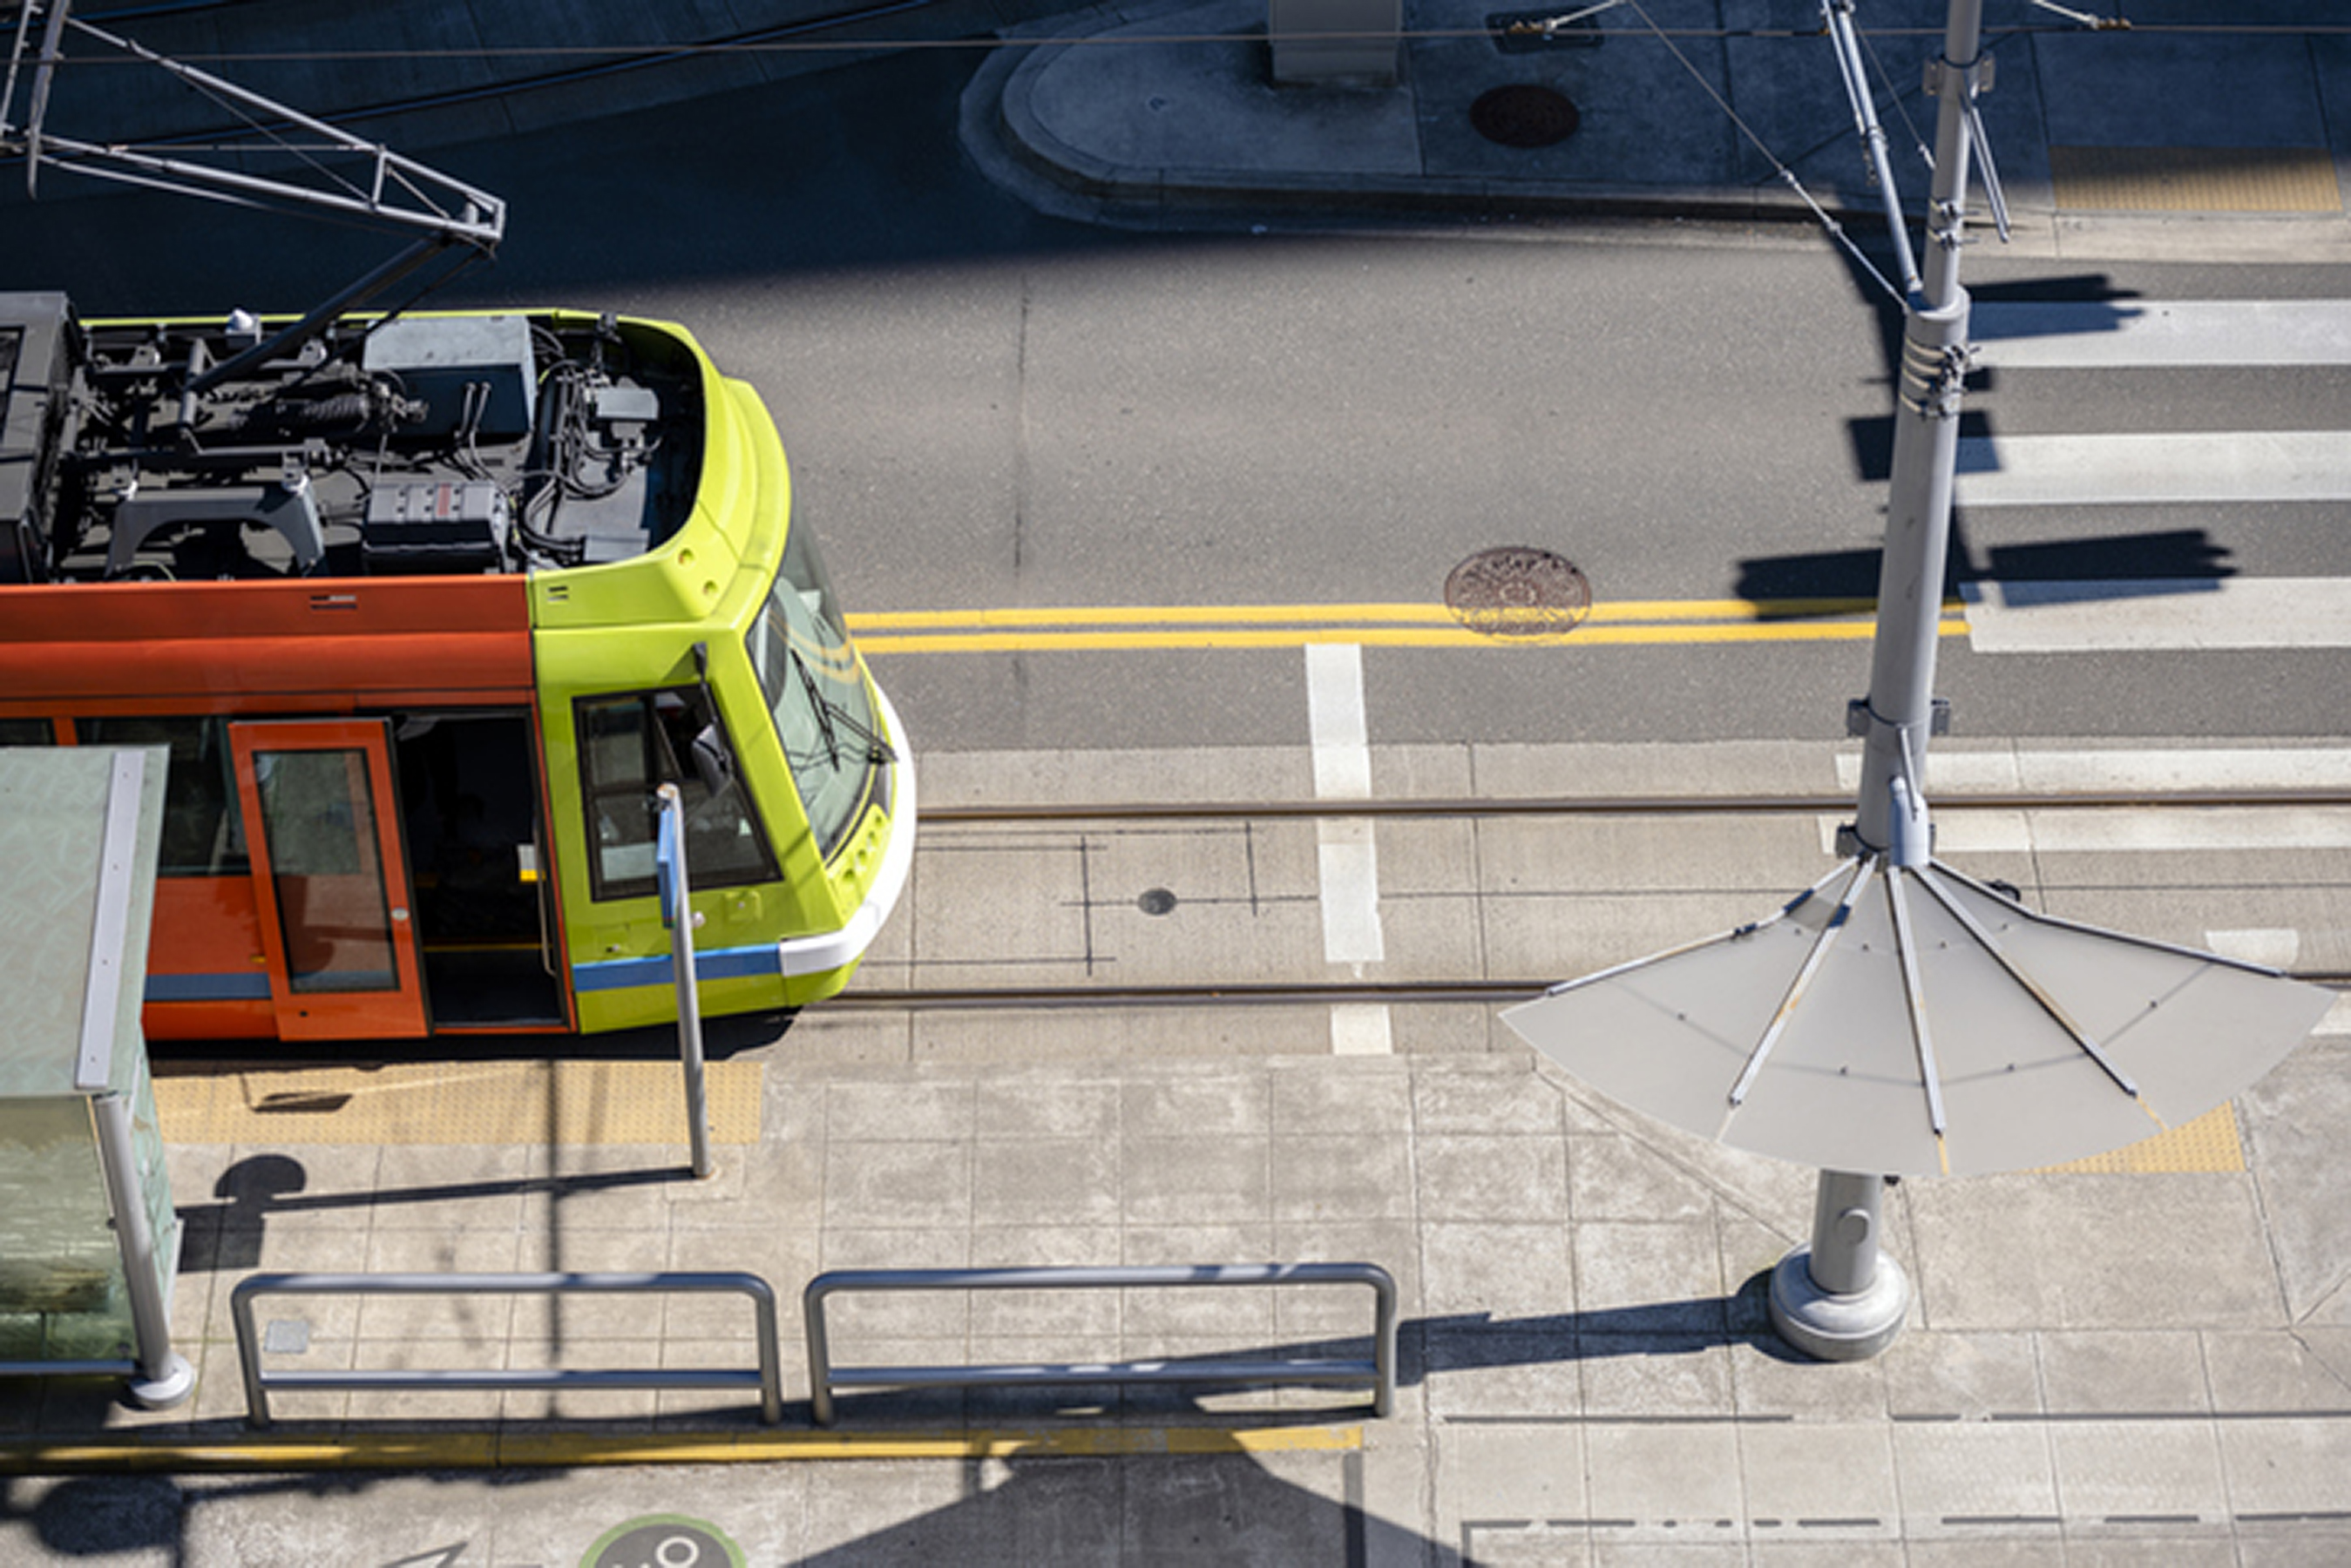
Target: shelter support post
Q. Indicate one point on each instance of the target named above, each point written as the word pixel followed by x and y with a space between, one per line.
pixel 164 1376
pixel 1841 1298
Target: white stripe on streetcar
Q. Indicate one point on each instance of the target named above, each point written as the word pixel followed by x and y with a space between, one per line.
pixel 2113 334
pixel 2117 615
pixel 2170 466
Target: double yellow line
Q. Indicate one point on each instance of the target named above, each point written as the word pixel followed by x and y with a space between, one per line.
pixel 1113 627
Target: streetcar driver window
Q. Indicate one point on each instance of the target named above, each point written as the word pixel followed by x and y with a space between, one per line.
pixel 630 745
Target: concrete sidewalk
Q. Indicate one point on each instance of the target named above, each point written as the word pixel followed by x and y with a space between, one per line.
pixel 2218 146
pixel 2145 1354
pixel 2104 1366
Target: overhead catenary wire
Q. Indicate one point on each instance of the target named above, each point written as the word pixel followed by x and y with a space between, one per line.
pixel 1835 230
pixel 791 39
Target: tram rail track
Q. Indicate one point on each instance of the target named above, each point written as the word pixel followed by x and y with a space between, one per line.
pixel 1393 994
pixel 1478 991
pixel 1618 805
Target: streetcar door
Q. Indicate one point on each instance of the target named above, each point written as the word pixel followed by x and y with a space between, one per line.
pixel 329 877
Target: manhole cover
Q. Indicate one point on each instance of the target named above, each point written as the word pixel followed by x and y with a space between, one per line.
pixel 1518 591
pixel 1524 115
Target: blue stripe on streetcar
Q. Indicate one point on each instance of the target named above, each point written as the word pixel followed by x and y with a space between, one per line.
pixel 721 963
pixel 207 987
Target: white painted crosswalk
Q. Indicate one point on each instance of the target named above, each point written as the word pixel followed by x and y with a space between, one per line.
pixel 2224 466
pixel 2201 613
pixel 2099 334
pixel 2009 473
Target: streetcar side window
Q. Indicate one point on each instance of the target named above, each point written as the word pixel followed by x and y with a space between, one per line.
pixel 25 732
pixel 629 746
pixel 203 828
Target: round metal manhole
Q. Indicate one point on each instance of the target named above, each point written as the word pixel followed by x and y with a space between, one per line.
pixel 1156 901
pixel 1524 115
pixel 1518 591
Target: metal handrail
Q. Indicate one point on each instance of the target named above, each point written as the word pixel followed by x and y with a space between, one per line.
pixel 1378 1373
pixel 767 1377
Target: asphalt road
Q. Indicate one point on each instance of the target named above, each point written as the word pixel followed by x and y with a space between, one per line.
pixel 989 408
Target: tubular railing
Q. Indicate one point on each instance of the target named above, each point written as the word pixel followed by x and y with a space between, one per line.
pixel 1378 1373
pixel 767 1378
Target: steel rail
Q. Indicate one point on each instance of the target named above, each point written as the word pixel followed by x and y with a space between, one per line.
pixel 1619 805
pixel 1047 998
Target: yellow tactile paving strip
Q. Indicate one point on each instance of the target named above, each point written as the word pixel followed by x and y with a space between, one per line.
pixel 2195 180
pixel 481 1450
pixel 2207 1144
pixel 506 1103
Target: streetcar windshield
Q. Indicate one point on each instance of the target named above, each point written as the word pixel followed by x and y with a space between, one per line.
pixel 817 691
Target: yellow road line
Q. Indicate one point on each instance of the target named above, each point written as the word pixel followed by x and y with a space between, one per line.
pixel 1105 627
pixel 1246 615
pixel 528 1449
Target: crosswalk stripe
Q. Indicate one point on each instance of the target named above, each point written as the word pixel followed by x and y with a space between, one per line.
pixel 2106 334
pixel 2174 466
pixel 2195 613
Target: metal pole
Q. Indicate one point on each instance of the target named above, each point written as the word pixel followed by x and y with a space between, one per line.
pixel 164 1378
pixel 1900 705
pixel 1842 1299
pixel 678 908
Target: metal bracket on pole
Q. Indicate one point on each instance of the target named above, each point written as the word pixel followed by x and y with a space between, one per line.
pixel 1838 17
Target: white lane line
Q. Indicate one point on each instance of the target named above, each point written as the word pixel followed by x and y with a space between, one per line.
pixel 2339 1017
pixel 2274 947
pixel 2158 613
pixel 1346 857
pixel 2103 334
pixel 1335 723
pixel 2129 830
pixel 2135 768
pixel 2227 466
pixel 1360 1029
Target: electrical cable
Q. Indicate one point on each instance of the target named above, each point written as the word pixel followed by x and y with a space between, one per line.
pixel 1835 230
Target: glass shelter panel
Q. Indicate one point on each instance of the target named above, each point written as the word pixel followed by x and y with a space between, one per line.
pixel 61 1292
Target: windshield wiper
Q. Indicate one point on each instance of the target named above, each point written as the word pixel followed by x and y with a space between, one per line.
pixel 831 718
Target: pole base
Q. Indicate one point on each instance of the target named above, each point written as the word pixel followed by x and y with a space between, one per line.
pixel 1838 1327
pixel 174 1381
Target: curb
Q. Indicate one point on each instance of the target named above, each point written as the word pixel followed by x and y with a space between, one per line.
pixel 1008 76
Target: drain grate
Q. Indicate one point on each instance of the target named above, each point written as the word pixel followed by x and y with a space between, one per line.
pixel 1525 115
pixel 1518 591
